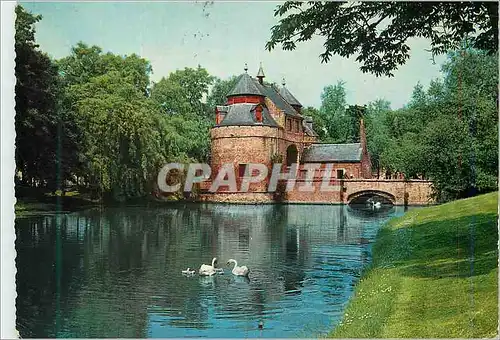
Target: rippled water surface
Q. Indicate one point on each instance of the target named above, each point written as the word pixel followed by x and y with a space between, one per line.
pixel 117 272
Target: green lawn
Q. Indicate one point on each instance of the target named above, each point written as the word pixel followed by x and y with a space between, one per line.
pixel 434 274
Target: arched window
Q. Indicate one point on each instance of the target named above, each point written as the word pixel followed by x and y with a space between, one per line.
pixel 291 155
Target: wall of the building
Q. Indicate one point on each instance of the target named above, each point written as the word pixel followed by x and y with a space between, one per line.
pixel 348 169
pixel 365 165
pixel 243 145
pixel 413 192
pixel 244 99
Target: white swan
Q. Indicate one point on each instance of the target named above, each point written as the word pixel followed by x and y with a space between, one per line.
pixel 207 270
pixel 377 205
pixel 188 272
pixel 240 271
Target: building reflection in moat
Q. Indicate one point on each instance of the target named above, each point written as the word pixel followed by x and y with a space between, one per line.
pixel 119 270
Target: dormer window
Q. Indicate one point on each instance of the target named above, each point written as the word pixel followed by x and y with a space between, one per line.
pixel 258 114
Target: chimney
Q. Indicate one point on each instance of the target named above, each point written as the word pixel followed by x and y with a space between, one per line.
pixel 260 75
pixel 308 121
pixel 366 164
pixel 362 134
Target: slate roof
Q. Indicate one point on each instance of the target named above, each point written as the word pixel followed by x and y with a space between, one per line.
pixel 322 153
pixel 244 114
pixel 245 85
pixel 289 97
pixel 270 92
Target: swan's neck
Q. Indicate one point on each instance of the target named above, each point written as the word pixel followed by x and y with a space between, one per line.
pixel 213 262
pixel 235 264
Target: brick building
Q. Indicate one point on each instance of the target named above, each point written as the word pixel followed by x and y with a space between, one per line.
pixel 262 124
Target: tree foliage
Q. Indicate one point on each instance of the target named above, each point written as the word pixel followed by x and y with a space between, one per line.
pixel 377 33
pixel 219 91
pixel 40 126
pixel 447 133
pixel 95 120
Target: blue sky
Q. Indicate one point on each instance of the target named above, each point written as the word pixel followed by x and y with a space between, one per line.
pixel 221 37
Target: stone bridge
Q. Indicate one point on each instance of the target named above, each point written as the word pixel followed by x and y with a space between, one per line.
pixel 397 191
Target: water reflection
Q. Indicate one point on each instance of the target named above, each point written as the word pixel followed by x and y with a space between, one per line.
pixel 117 272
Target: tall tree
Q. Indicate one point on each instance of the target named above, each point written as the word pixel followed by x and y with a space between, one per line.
pixel 181 97
pixel 220 90
pixel 86 62
pixel 43 149
pixel 377 134
pixel 449 132
pixel 318 122
pixel 333 113
pixel 122 147
pixel 183 91
pixel 378 32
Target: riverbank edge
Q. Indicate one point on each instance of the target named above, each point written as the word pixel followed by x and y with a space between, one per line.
pixel 413 288
pixel 25 208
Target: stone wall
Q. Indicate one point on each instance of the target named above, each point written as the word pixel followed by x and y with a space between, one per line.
pixel 248 198
pixel 250 144
pixel 298 195
pixel 417 192
pixel 277 114
pixel 349 169
pixel 242 145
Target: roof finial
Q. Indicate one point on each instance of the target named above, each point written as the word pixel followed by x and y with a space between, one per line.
pixel 260 74
pixel 246 68
pixel 283 82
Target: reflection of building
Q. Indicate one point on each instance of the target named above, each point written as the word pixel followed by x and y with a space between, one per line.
pixel 262 124
pixel 121 269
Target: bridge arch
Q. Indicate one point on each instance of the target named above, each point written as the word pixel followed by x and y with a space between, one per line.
pixel 362 196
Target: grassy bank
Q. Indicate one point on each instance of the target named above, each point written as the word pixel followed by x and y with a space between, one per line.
pixel 43 203
pixel 434 274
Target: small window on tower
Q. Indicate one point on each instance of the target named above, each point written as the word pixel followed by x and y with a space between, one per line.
pixel 241 170
pixel 297 128
pixel 258 114
pixel 289 124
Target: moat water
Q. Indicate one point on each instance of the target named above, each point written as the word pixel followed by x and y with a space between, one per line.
pixel 117 272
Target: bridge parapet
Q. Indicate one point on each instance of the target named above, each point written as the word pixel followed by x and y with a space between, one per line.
pixel 411 192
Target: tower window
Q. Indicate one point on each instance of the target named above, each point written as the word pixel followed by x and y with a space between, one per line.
pixel 258 114
pixel 241 170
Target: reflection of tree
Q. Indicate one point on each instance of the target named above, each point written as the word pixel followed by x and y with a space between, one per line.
pixel 121 267
pixel 342 225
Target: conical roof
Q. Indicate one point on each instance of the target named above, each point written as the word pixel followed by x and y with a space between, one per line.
pixel 245 86
pixel 289 97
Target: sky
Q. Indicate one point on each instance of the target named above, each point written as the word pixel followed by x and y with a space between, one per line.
pixel 221 37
